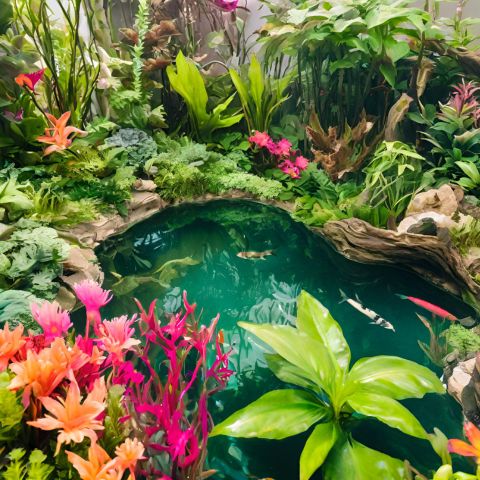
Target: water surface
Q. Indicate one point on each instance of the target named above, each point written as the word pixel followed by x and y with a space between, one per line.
pixel 265 291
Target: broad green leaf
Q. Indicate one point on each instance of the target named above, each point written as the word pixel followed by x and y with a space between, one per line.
pixel 471 170
pixel 398 50
pixel 388 411
pixel 439 442
pixel 287 372
pixel 394 377
pixel 389 72
pixel 445 472
pixel 275 415
pixel 316 449
pixel 304 352
pixel 257 85
pixel 354 461
pixel 316 321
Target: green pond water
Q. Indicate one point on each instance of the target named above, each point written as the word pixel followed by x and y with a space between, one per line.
pixel 265 291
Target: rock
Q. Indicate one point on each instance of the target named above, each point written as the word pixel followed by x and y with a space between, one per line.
pixel 144 185
pixel 460 378
pixel 442 200
pixel 414 223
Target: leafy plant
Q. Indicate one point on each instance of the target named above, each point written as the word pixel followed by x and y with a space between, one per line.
pixel 15 198
pixel 132 146
pixel 472 179
pixel 261 96
pixel 462 339
pixel 187 81
pixel 30 259
pixel 72 63
pixel 11 411
pixel 336 154
pixel 393 176
pixel 34 468
pixel 466 236
pixel 437 348
pixel 315 357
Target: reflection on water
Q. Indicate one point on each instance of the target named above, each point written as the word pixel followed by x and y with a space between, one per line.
pixel 264 290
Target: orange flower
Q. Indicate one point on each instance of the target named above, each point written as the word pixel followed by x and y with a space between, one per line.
pixel 41 373
pixel 98 465
pixel 465 449
pixel 10 343
pixel 57 136
pixel 74 419
pixel 129 453
pixel 29 80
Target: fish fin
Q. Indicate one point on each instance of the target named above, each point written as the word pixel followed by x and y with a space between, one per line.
pixel 357 298
pixel 262 258
pixel 343 295
pixel 467 322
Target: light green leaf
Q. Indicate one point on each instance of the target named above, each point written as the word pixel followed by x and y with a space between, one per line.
pixel 257 86
pixel 471 170
pixel 354 461
pixel 316 449
pixel 297 348
pixel 316 321
pixel 388 411
pixel 275 415
pixel 394 377
pixel 287 372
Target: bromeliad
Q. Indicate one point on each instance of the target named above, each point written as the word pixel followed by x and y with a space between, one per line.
pixel 58 136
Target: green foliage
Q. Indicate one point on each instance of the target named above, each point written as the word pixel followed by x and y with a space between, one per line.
pixel 15 308
pixel 188 82
pixel 349 55
pixel 393 176
pixel 116 431
pixel 472 179
pixel 30 259
pixel 19 468
pixel 261 96
pixel 72 63
pixel 466 236
pixel 132 146
pixel 15 198
pixel 11 410
pixel 464 340
pixel 316 357
pixel 187 169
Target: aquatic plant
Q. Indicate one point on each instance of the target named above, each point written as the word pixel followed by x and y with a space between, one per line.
pixel 144 415
pixel 315 357
pixel 188 82
pixel 261 96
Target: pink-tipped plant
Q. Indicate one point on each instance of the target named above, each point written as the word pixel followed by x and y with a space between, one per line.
pixel 94 297
pixel 226 5
pixel 289 161
pixel 54 321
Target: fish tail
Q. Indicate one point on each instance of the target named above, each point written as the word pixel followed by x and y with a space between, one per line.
pixel 343 295
pixel 271 252
pixel 467 322
pixel 403 297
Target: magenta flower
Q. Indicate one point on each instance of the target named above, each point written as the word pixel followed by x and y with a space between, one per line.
pixel 126 374
pixel 115 336
pixel 54 321
pixel 219 369
pixel 13 117
pixel 227 5
pixel 301 162
pixel 260 139
pixel 29 80
pixel 281 148
pixel 94 297
pixel 290 169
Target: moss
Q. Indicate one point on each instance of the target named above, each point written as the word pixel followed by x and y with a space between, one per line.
pixel 464 340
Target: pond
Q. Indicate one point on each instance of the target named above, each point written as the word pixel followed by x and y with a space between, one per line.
pixel 210 236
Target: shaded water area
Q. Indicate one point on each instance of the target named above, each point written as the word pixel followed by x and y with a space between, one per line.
pixel 260 291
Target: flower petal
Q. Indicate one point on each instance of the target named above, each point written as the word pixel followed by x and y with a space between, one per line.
pixel 462 448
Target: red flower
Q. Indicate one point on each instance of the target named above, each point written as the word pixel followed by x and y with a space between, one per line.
pixel 29 80
pixel 260 139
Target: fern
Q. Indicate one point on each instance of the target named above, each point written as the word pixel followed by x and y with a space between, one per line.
pixel 115 430
pixel 142 24
pixel 34 469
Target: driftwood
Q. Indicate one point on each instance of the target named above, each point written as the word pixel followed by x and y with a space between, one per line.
pixel 427 256
pixel 470 61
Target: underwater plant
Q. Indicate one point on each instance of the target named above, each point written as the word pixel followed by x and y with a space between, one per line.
pixel 316 357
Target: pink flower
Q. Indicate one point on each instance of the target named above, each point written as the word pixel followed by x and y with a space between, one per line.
pixel 126 374
pixel 54 321
pixel 260 139
pixel 29 80
pixel 301 162
pixel 13 117
pixel 219 369
pixel 290 169
pixel 115 336
pixel 94 297
pixel 281 148
pixel 227 5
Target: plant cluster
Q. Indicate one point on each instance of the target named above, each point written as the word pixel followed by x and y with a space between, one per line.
pixel 104 402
